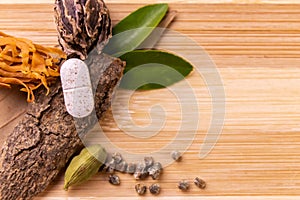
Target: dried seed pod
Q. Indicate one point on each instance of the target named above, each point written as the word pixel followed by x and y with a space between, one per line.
pixel 114 179
pixel 183 185
pixel 200 183
pixel 154 188
pixel 82 25
pixel 84 166
pixel 140 189
pixel 155 170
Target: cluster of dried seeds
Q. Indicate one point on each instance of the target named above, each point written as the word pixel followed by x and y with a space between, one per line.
pixel 142 189
pixel 184 184
pixel 140 171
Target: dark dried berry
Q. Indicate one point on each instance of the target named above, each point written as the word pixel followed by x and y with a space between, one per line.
pixel 117 157
pixel 107 163
pixel 148 161
pixel 155 170
pixel 176 155
pixel 131 168
pixel 140 171
pixel 200 183
pixel 110 166
pixel 114 179
pixel 183 185
pixel 122 166
pixel 154 189
pixel 140 189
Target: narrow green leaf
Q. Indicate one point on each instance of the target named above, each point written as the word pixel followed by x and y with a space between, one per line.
pixel 153 69
pixel 129 33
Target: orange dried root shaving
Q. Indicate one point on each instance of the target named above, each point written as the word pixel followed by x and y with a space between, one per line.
pixel 27 64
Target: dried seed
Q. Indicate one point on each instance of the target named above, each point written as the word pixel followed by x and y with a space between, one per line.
pixel 122 166
pixel 114 179
pixel 105 166
pixel 110 165
pixel 131 168
pixel 200 183
pixel 176 155
pixel 117 157
pixel 183 185
pixel 154 189
pixel 155 170
pixel 140 171
pixel 84 165
pixel 148 161
pixel 140 189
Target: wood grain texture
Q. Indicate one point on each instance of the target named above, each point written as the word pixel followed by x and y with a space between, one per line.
pixel 168 1
pixel 256 49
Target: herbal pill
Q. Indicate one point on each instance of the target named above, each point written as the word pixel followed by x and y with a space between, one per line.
pixel 77 88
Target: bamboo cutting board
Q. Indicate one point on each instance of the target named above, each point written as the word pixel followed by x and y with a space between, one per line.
pixel 256 49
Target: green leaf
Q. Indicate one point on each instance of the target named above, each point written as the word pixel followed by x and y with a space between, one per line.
pixel 153 69
pixel 129 33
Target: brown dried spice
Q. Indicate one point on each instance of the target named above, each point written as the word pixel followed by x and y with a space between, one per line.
pixel 82 25
pixel 27 64
pixel 155 170
pixel 114 179
pixel 200 183
pixel 154 188
pixel 140 189
pixel 183 185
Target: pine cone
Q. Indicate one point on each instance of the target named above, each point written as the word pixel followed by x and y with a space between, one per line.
pixel 82 25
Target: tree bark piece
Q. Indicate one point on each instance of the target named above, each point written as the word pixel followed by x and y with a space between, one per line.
pixel 46 138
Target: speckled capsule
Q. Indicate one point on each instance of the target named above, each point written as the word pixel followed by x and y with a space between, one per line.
pixel 77 88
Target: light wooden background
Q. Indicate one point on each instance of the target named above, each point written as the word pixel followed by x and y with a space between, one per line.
pixel 256 49
pixel 169 1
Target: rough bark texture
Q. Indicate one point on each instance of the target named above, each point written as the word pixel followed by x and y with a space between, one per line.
pixel 43 142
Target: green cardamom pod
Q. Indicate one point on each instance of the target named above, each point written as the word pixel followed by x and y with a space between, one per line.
pixel 84 165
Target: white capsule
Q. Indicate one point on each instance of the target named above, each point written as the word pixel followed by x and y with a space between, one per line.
pixel 77 88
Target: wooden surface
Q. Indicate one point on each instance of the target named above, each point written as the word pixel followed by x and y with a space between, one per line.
pixel 256 49
pixel 169 1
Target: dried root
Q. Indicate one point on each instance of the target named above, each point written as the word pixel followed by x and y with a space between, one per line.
pixel 27 64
